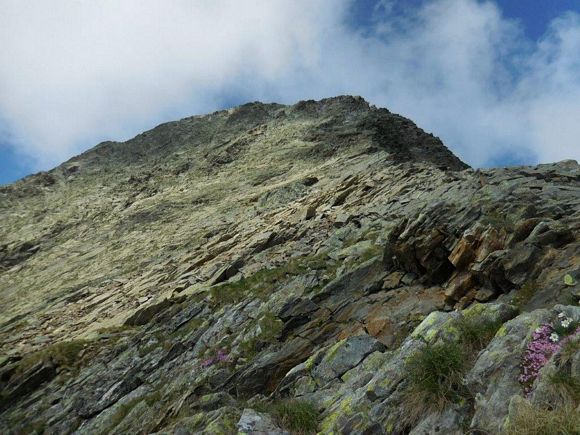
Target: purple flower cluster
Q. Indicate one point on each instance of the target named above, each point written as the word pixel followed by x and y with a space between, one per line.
pixel 545 343
pixel 537 355
pixel 220 357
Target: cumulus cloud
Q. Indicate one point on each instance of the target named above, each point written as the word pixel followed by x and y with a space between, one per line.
pixel 75 72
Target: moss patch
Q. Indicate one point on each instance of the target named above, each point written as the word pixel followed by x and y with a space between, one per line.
pixel 525 293
pixel 64 354
pixel 265 282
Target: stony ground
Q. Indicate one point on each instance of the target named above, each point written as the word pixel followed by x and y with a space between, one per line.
pixel 324 267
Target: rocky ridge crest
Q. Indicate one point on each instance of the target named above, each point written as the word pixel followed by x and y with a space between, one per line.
pixel 184 281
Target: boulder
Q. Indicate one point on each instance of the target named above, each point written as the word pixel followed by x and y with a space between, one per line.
pixel 256 423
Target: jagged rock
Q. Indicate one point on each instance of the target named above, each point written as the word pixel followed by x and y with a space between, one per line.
pixel 258 244
pixel 462 255
pixel 310 181
pixel 341 197
pixel 308 212
pixel 341 219
pixel 145 314
pixel 297 309
pixel 519 263
pixel 550 233
pixel 27 382
pixel 366 278
pixel 459 286
pixel 484 295
pixel 266 372
pixel 393 280
pixel 108 392
pixel 345 355
pixel 424 256
pixel 227 272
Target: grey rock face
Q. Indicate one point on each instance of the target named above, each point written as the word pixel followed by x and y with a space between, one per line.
pixel 344 356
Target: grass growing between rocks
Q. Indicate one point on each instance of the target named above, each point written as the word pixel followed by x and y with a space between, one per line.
pixel 64 354
pixel 299 417
pixel 435 374
pixel 498 220
pixel 570 349
pixel 475 333
pixel 533 420
pixel 563 379
pixel 120 414
pixel 566 383
pixel 270 328
pixel 264 282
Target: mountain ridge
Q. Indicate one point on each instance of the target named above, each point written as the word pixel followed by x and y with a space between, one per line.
pixel 189 278
pixel 245 112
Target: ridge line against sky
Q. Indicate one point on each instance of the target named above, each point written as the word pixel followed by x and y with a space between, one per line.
pixel 498 81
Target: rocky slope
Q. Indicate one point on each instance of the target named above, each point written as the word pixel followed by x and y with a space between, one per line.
pixel 326 266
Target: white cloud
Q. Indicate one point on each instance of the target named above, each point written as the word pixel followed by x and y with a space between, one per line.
pixel 75 72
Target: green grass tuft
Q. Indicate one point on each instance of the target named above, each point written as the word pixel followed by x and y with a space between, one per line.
pixel 533 420
pixel 476 333
pixel 570 349
pixel 566 383
pixel 436 370
pixel 435 374
pixel 296 416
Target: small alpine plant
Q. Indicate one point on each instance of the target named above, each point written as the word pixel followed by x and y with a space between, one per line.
pixel 546 341
pixel 221 356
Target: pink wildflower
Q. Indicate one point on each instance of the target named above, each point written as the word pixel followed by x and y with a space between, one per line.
pixel 220 357
pixel 545 343
pixel 537 355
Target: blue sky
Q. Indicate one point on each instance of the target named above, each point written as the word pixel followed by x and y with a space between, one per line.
pixel 497 80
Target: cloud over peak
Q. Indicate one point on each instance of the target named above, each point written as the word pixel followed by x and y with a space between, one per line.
pixel 74 73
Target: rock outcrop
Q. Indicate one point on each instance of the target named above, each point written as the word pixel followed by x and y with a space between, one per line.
pixel 268 266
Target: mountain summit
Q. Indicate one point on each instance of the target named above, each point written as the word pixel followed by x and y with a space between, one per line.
pixel 321 267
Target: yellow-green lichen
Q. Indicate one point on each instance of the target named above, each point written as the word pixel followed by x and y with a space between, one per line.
pixel 476 310
pixel 501 332
pixel 309 364
pixel 385 382
pixel 334 349
pixel 343 409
